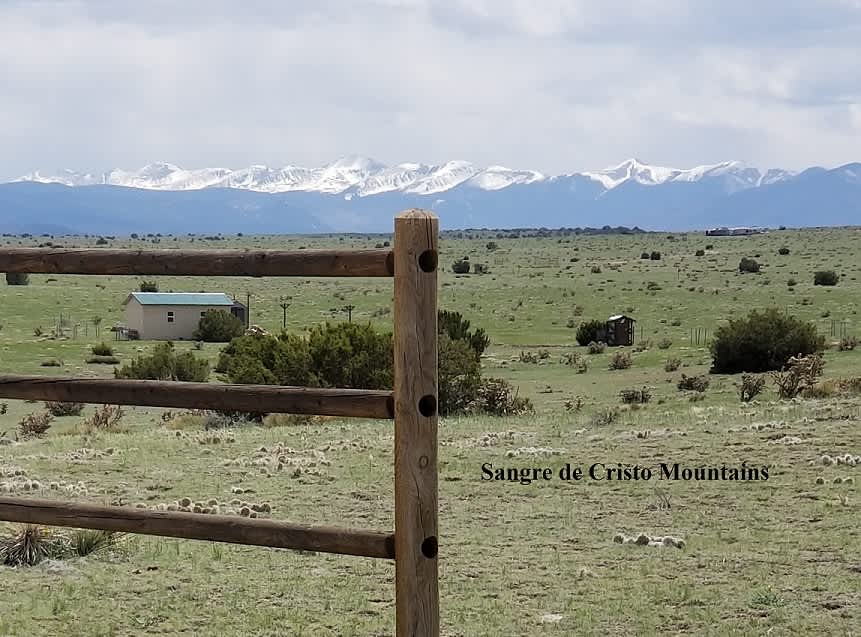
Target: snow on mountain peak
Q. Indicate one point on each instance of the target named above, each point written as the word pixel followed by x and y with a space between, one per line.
pixel 357 175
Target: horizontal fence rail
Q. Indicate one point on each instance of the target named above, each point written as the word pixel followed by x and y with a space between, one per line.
pixel 198 526
pixel 355 403
pixel 253 263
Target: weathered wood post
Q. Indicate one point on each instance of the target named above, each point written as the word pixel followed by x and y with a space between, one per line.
pixel 415 394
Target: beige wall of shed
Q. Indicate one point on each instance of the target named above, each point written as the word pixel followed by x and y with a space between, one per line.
pixel 151 320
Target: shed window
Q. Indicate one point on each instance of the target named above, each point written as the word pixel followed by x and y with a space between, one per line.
pixel 170 317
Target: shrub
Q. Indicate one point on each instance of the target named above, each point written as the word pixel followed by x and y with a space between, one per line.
pixel 791 283
pixel 28 547
pixel 799 373
pixel 596 348
pixel 528 357
pixel 847 344
pixel 748 265
pixel 165 364
pixel 665 343
pixel 620 360
pixel 750 387
pixel 350 355
pixel 218 326
pixel 51 362
pixel 263 359
pixel 762 341
pixel 17 278
pixel 457 328
pixel 102 349
pixel 497 397
pixel 693 383
pixel 590 332
pixel 460 266
pixel 459 376
pixel 783 251
pixel 35 424
pixel 4 407
pixel 64 409
pixel 825 277
pixel 103 360
pixel 644 255
pixel 655 255
pixel 605 416
pixel 356 356
pixel 106 417
pixel 672 364
pixel 700 253
pixel 595 269
pixel 148 286
pixel 825 389
pixel 636 396
pixel 491 246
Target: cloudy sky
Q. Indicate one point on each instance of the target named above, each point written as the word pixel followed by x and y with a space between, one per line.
pixel 552 85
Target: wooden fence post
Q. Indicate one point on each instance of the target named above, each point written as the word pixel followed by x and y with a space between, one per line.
pixel 415 392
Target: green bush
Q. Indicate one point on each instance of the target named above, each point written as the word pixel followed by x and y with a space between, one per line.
pixel 460 266
pixel 148 286
pixel 258 359
pixel 498 398
pixel 693 383
pixel 165 364
pixel 644 255
pixel 351 355
pixel 700 253
pixel 459 376
pixel 762 341
pixel 218 326
pixel 748 265
pixel 596 348
pixel 57 408
pixel 590 332
pixel 17 278
pixel 102 349
pixel 783 251
pixel 655 255
pixel 457 328
pixel 356 356
pixel 825 277
pixel 620 360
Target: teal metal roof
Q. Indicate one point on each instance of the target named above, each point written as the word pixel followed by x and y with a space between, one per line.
pixel 181 298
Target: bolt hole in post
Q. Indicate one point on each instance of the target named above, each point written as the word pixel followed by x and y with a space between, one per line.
pixel 429 547
pixel 427 406
pixel 428 260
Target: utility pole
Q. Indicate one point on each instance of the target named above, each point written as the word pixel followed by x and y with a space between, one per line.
pixel 284 305
pixel 349 310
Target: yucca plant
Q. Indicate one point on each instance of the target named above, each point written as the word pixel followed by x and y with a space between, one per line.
pixel 28 546
pixel 86 541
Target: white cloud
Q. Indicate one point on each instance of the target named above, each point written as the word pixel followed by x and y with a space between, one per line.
pixel 575 85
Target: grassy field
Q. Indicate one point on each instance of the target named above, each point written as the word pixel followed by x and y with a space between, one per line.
pixel 777 557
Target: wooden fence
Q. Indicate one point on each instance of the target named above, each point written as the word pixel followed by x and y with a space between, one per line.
pixel 413 405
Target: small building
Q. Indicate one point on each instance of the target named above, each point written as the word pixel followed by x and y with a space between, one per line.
pixel 174 316
pixel 734 232
pixel 620 330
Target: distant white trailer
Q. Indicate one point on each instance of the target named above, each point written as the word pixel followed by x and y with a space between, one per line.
pixel 743 231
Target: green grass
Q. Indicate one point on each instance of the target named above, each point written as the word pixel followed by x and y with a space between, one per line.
pixel 771 557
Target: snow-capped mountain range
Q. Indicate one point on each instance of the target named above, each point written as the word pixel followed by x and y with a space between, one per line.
pixel 363 177
pixel 358 194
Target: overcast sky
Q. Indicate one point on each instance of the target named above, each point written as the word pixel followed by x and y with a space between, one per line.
pixel 553 85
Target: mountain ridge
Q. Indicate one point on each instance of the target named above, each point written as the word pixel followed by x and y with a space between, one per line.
pixel 358 194
pixel 363 176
